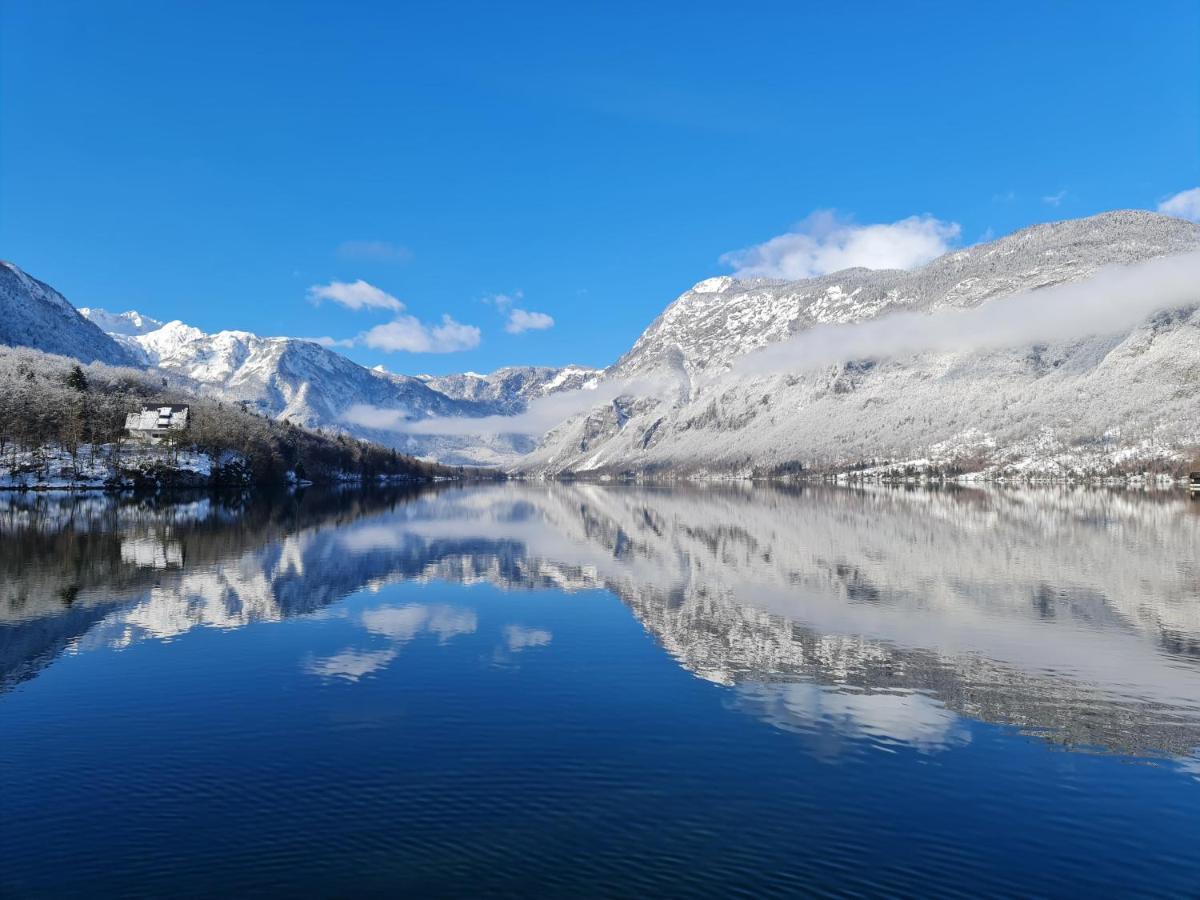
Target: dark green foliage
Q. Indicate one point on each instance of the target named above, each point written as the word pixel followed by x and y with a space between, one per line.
pixel 77 380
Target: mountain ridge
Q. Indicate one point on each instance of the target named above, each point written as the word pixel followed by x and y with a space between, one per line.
pixel 1085 405
pixel 33 314
pixel 302 382
pixel 1015 410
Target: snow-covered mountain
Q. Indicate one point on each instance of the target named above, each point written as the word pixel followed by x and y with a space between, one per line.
pixel 1095 402
pixel 305 383
pixel 285 378
pixel 1118 398
pixel 33 314
pixel 511 388
pixel 126 324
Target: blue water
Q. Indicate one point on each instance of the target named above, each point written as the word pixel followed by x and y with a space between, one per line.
pixel 576 690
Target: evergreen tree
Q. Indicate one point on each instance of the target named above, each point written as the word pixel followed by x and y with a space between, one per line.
pixel 77 380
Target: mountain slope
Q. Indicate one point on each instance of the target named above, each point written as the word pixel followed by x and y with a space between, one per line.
pixel 509 389
pixel 1095 402
pixel 284 378
pixel 33 314
pixel 126 324
pixel 307 384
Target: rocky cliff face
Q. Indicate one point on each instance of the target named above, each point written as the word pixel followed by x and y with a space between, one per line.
pixel 1090 403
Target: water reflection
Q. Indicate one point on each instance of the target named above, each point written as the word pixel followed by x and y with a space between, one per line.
pixel 883 615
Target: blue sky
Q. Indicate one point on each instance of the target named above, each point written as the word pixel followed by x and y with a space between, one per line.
pixel 216 162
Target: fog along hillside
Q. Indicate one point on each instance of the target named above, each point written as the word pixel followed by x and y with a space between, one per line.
pixel 304 383
pixel 694 397
pixel 1100 402
pixel 290 380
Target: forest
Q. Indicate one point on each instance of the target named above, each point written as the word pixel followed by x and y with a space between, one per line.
pixel 54 408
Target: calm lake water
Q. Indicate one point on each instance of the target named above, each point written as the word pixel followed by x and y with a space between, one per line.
pixel 573 690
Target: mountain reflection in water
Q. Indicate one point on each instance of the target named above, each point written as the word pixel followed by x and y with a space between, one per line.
pixel 879 614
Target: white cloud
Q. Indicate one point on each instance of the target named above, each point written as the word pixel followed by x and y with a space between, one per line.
pixel 329 341
pixel 1185 205
pixel 409 334
pixel 823 243
pixel 354 295
pixel 504 301
pixel 376 251
pixel 541 414
pixel 1055 199
pixel 405 333
pixel 520 320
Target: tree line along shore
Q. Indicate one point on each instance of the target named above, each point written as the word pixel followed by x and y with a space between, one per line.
pixel 63 424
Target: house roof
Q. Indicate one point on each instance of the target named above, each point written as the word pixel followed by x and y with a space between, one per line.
pixel 158 418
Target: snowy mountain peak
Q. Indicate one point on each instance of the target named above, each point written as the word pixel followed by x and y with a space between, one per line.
pixel 128 323
pixel 305 383
pixel 713 285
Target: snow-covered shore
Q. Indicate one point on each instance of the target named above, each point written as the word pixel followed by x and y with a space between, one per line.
pixel 107 467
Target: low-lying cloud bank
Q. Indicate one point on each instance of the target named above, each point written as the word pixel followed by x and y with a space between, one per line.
pixel 1115 299
pixel 542 414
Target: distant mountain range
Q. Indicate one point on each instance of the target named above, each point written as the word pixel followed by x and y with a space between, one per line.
pixel 280 377
pixel 311 385
pixel 1100 402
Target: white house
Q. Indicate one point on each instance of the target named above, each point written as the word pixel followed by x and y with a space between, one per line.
pixel 153 423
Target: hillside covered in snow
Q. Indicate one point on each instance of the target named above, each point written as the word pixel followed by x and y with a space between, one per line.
pixel 739 390
pixel 985 360
pixel 33 314
pixel 301 382
pixel 287 379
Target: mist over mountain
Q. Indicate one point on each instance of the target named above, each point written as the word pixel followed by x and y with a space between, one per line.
pixel 1055 350
pixel 302 382
pixel 1096 400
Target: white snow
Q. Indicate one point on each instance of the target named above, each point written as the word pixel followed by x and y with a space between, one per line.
pixel 1040 410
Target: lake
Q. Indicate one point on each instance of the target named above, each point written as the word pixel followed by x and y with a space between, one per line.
pixel 575 689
